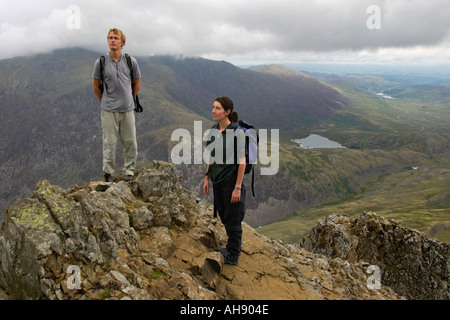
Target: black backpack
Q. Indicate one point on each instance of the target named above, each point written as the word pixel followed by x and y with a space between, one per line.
pixel 251 148
pixel 137 106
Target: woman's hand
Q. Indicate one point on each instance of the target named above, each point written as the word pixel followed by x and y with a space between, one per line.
pixel 206 187
pixel 236 195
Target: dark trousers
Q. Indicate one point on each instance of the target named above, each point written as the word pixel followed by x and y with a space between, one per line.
pixel 231 214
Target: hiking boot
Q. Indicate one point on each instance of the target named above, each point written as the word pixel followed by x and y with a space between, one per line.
pixel 107 177
pixel 233 260
pixel 223 251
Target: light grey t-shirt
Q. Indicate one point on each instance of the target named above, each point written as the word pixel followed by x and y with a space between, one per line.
pixel 117 92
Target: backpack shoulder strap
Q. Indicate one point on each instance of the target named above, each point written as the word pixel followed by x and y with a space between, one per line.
pixel 102 65
pixel 130 66
pixel 102 73
pixel 237 126
pixel 137 105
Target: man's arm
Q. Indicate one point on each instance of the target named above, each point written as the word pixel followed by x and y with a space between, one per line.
pixel 96 88
pixel 136 86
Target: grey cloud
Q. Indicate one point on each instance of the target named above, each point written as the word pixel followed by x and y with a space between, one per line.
pixel 232 27
pixel 338 25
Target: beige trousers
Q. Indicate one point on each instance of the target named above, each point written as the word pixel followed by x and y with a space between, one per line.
pixel 119 125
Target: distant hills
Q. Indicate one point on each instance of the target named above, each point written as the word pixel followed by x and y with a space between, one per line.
pixel 50 124
pixel 427 93
pixel 270 100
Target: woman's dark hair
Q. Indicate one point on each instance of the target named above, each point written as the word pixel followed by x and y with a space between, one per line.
pixel 227 104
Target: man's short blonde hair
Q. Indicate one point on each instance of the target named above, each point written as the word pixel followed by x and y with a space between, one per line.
pixel 119 33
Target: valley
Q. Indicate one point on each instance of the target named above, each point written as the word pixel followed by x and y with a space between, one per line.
pixel 404 149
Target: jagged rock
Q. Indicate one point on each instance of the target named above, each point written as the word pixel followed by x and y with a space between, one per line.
pixel 210 267
pixel 411 264
pixel 151 239
pixel 141 218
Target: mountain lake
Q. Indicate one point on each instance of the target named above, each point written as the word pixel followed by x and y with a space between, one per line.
pixel 314 141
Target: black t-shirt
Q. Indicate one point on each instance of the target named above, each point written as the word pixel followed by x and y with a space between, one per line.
pixel 225 149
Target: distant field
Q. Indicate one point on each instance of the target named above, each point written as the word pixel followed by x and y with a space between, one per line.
pixel 418 199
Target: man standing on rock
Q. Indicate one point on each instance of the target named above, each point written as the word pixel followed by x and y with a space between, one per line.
pixel 115 94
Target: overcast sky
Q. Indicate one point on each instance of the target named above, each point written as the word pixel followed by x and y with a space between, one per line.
pixel 239 31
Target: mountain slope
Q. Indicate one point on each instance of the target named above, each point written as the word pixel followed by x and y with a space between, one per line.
pixel 50 124
pixel 269 100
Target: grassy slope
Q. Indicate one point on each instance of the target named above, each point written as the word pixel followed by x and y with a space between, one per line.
pixel 415 198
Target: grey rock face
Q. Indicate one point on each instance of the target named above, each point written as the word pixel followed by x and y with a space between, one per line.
pixel 411 264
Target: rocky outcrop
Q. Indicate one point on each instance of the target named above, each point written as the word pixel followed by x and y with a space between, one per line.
pixel 410 263
pixel 151 239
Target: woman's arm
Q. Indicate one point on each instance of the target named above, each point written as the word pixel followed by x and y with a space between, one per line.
pixel 206 183
pixel 236 195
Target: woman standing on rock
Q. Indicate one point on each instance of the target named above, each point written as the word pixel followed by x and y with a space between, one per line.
pixel 227 175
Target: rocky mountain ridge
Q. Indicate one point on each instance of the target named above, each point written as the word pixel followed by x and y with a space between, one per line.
pixel 411 264
pixel 151 239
